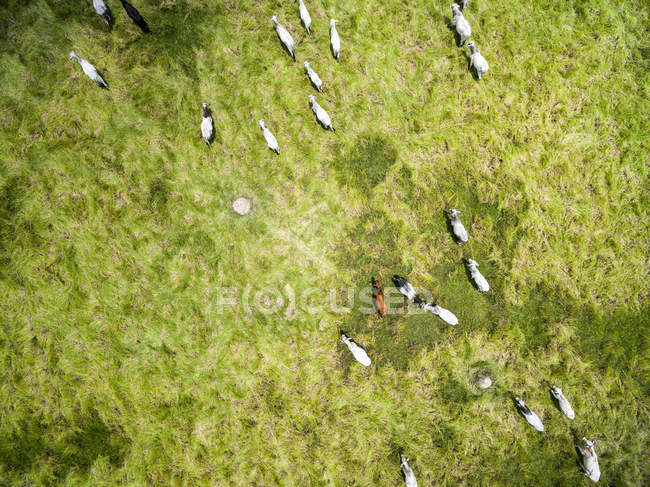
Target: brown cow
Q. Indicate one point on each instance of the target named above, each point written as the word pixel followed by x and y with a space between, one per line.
pixel 378 294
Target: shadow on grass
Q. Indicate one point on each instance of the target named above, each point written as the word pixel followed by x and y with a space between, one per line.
pixel 178 34
pixel 452 28
pixel 397 337
pixel 615 340
pixel 66 446
pixel 503 220
pixel 453 391
pixel 366 164
pixel 577 444
pixel 608 341
pixel 371 249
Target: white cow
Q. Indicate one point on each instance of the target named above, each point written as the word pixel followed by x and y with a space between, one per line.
pixel 409 476
pixel 358 352
pixel 304 16
pixel 446 315
pixel 103 11
pixel 530 416
pixel 207 125
pixel 322 116
pixel 406 289
pixel 271 141
pixel 481 282
pixel 476 60
pixel 461 24
pixel 457 226
pixel 335 40
pixel 562 401
pixel 90 70
pixel 284 36
pixel 589 461
pixel 313 77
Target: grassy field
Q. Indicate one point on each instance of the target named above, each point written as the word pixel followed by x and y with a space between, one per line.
pixel 119 365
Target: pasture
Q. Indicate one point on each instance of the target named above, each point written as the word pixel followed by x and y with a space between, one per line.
pixel 122 363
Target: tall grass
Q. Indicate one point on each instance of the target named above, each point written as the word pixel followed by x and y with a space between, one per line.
pixel 116 234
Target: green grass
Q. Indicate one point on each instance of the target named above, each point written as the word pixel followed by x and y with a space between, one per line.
pixel 116 235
